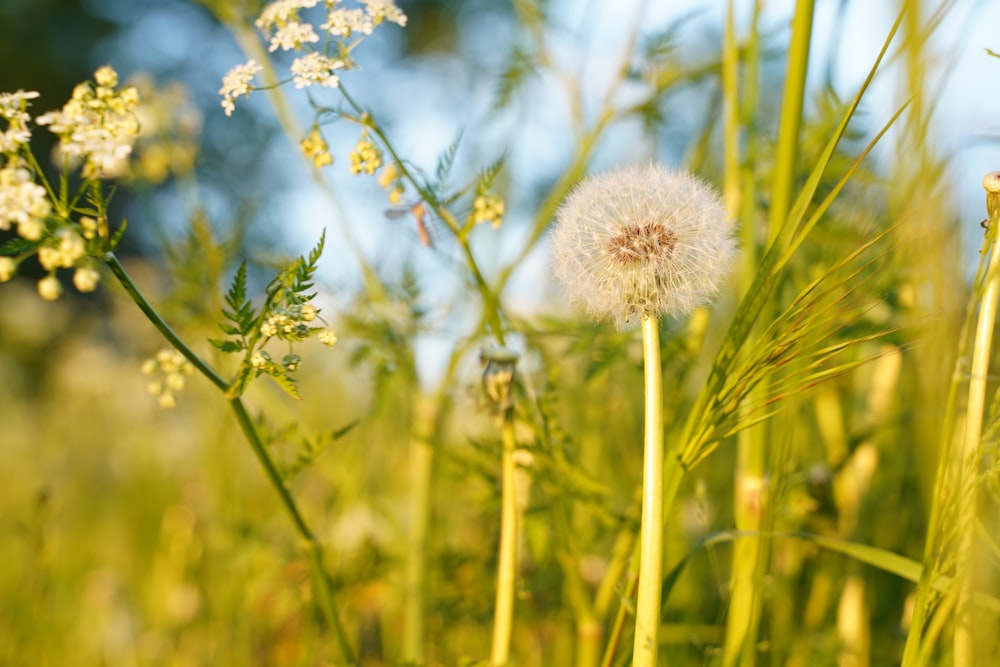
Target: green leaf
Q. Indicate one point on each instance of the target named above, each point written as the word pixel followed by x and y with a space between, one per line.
pixel 447 160
pixel 287 383
pixel 227 345
pixel 116 239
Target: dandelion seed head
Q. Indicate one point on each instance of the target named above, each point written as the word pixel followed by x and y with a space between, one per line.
pixel 644 240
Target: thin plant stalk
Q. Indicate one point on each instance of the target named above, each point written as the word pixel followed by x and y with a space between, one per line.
pixel 313 546
pixel 750 498
pixel 647 613
pixel 964 638
pixel 503 617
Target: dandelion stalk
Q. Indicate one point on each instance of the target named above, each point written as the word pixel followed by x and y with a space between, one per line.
pixel 647 613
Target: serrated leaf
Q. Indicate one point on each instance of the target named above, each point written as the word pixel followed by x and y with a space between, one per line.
pixel 447 159
pixel 288 384
pixel 17 245
pixel 116 239
pixel 519 67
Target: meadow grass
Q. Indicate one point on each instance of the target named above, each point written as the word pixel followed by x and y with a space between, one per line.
pixel 829 486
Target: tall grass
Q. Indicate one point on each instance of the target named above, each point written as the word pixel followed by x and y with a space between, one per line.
pixel 829 472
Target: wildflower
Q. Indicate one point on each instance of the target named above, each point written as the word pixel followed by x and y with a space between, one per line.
pixel 85 279
pixel 8 267
pixel 13 109
pixel 268 329
pixel 106 77
pixel 22 202
pixel 49 288
pixel 98 125
pixel 92 228
pixel 347 22
pixel 387 10
pixel 328 337
pixel 366 156
pixel 642 241
pixel 281 12
pixel 259 359
pixel 315 68
pixel 309 312
pixel 236 84
pixel 167 369
pixel 67 247
pixel 291 37
pixel 291 362
pixel 316 149
pixel 488 208
pixel 390 179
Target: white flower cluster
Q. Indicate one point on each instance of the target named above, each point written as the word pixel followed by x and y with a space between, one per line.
pixel 285 29
pixel 167 371
pixel 14 110
pixel 98 125
pixel 97 129
pixel 22 202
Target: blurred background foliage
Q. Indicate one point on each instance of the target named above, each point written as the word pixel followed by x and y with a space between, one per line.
pixel 133 535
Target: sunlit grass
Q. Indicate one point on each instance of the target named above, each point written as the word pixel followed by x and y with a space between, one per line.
pixel 816 511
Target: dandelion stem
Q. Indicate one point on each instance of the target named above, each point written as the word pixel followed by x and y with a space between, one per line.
pixel 647 615
pixel 503 617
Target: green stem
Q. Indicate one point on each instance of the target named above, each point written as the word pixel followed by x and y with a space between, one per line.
pixel 421 465
pixel 312 544
pixel 964 643
pixel 673 474
pixel 647 613
pixel 130 287
pixel 503 617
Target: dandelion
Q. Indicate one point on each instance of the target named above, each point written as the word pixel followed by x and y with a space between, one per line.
pixel 642 241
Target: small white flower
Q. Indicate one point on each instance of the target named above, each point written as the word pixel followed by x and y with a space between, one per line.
pixel 328 337
pixel 22 202
pixel 236 84
pixel 348 22
pixel 8 267
pixel 642 241
pixel 85 280
pixel 292 36
pixel 387 10
pixel 97 127
pixel 315 68
pixel 13 109
pixel 49 288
